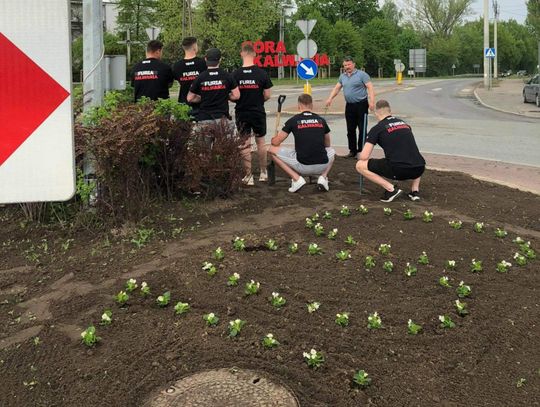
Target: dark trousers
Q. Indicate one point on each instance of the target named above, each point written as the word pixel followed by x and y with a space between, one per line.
pixel 354 115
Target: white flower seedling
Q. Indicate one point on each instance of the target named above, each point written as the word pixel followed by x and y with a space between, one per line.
pixel 211 319
pixel 342 319
pixel 363 209
pixel 461 308
pixel 446 321
pixel 332 234
pixel 500 233
pixel 319 229
pixel 387 211
pixel 106 317
pixel 427 216
pixel 384 248
pixel 327 215
pixel 269 341
pixel 503 266
pixel 410 270
pixel 164 299
pixel 463 290
pixel 369 262
pixel 309 223
pixel 239 244
pixel 233 280
pixel 388 266
pixel 408 215
pixel 345 211
pixel 293 248
pixel 343 255
pixel 313 306
pixel 131 285
pixel 313 358
pixel 252 287
pixel 350 240
pixel 219 254
pixel 210 269
pixel 451 264
pixel 271 245
pixel 413 328
pixel 476 266
pixel 314 249
pixel 423 259
pixel 145 289
pixel 520 259
pixel 374 321
pixel 89 336
pixel 362 379
pixel 181 308
pixel 277 300
pixel 235 327
pixel 456 224
pixel 444 282
pixel 478 227
pixel 121 298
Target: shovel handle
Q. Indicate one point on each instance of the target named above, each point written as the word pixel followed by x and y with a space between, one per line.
pixel 280 101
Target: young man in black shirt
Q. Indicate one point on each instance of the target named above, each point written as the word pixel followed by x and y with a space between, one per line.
pixel 188 69
pixel 151 77
pixel 254 84
pixel 213 89
pixel 402 161
pixel 312 154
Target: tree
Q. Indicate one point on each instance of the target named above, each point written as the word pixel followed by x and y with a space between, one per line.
pixel 136 16
pixel 358 12
pixel 533 21
pixel 442 53
pixel 348 43
pixel 380 45
pixel 439 17
pixel 219 23
pixel 407 39
pixel 391 12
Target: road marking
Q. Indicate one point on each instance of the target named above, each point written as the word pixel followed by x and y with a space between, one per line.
pixel 466 90
pixel 436 89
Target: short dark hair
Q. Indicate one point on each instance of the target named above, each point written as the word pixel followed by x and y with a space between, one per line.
pixel 154 46
pixel 248 47
pixel 382 104
pixel 348 58
pixel 305 99
pixel 188 42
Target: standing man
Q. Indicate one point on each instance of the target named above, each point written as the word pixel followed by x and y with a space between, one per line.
pixel 359 97
pixel 152 78
pixel 188 69
pixel 312 154
pixel 213 89
pixel 402 159
pixel 254 84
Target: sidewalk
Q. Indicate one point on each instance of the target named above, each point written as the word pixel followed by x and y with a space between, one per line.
pixel 507 97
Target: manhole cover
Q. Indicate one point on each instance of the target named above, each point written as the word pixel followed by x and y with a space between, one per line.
pixel 225 388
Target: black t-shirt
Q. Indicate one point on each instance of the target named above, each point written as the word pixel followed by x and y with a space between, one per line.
pixel 185 72
pixel 309 130
pixel 214 86
pixel 151 78
pixel 252 81
pixel 397 140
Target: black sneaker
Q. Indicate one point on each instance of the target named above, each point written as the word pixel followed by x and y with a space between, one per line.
pixel 351 154
pixel 414 195
pixel 390 196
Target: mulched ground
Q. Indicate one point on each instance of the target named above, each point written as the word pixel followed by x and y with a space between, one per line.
pixel 53 292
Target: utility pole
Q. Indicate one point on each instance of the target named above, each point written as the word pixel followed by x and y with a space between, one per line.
pixel 93 81
pixel 496 10
pixel 281 71
pixel 92 53
pixel 487 62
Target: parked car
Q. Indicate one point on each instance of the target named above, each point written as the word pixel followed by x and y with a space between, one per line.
pixel 531 91
pixel 521 73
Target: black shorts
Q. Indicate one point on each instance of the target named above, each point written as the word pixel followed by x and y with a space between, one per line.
pixel 382 167
pixel 248 122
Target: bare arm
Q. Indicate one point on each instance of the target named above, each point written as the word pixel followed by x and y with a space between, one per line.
pixel 234 95
pixel 334 93
pixel 279 138
pixel 193 97
pixel 371 95
pixel 366 152
pixel 267 94
pixel 327 140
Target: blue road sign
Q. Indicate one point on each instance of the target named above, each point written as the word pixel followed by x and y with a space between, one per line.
pixel 307 69
pixel 490 52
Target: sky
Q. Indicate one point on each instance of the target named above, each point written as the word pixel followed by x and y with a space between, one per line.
pixel 516 9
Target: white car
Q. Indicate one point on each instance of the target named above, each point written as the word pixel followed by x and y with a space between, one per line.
pixel 531 91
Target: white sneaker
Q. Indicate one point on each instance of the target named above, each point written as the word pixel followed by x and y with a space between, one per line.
pixel 296 185
pixel 322 183
pixel 248 180
pixel 263 177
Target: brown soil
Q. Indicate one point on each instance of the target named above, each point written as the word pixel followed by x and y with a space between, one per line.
pixel 54 293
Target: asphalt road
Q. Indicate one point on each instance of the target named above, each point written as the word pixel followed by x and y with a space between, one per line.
pixel 446 119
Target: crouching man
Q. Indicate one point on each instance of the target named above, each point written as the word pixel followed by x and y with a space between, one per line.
pixel 402 159
pixel 312 154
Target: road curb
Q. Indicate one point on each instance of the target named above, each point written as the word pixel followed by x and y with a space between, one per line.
pixel 479 99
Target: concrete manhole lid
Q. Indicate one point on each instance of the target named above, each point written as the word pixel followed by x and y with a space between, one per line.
pixel 225 388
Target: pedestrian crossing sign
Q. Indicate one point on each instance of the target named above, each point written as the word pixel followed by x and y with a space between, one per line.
pixel 489 53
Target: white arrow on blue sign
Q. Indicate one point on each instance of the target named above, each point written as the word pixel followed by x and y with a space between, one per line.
pixel 490 52
pixel 307 69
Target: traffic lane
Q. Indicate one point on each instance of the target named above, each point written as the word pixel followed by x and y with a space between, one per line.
pixel 451 99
